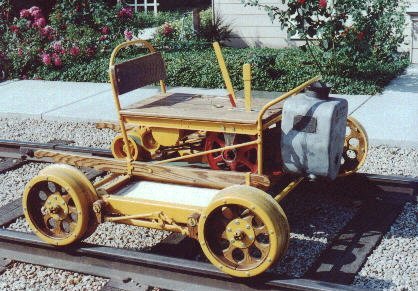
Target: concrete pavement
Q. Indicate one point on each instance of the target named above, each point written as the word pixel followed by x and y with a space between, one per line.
pixel 390 118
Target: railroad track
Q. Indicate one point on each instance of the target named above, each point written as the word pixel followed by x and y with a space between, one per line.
pixel 170 266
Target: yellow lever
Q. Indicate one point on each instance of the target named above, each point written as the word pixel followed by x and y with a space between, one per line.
pixel 225 73
pixel 246 75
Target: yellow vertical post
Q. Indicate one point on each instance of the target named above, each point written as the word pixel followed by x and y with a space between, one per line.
pixel 163 87
pixel 246 75
pixel 225 73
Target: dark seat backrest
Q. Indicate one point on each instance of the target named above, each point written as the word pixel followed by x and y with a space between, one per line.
pixel 139 72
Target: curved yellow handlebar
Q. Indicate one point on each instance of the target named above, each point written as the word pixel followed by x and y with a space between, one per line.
pixel 129 43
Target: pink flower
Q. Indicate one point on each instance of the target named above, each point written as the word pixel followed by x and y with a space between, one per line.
pixel 20 52
pixel 105 30
pixel 14 28
pixel 103 37
pixel 46 59
pixel 57 60
pixel 25 13
pixel 41 22
pixel 57 46
pixel 125 12
pixel 75 51
pixel 322 4
pixel 34 9
pixel 361 35
pixel 46 31
pixel 37 14
pixel 128 34
pixel 90 51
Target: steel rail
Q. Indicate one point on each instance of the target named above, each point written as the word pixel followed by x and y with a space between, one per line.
pixel 125 267
pixel 122 265
pixel 24 150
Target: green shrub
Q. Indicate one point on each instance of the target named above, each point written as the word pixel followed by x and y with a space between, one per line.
pixel 272 70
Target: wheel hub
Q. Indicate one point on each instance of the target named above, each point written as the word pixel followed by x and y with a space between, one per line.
pixel 56 206
pixel 240 233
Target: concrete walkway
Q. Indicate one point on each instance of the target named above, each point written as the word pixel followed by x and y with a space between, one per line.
pixel 390 118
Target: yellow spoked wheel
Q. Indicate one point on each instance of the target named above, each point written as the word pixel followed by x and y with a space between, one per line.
pixel 88 189
pixel 119 149
pixel 355 147
pixel 243 231
pixel 56 205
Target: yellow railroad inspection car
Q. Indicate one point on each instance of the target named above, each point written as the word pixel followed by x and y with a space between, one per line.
pixel 199 165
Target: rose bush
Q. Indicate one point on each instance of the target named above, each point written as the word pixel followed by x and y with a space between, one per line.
pixel 343 35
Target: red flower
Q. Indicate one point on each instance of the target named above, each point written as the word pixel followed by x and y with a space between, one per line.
pixel 323 4
pixel 90 51
pixel 25 13
pixel 40 22
pixel 14 28
pixel 361 35
pixel 75 51
pixel 105 30
pixel 301 2
pixel 125 12
pixel 167 29
pixel 20 52
pixel 46 59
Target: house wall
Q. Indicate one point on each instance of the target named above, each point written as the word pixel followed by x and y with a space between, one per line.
pixel 252 27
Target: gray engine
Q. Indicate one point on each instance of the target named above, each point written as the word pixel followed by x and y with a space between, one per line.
pixel 313 132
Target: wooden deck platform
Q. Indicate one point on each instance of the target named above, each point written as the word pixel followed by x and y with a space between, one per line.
pixel 196 107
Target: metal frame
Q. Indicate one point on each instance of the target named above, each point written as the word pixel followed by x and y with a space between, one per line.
pixel 221 127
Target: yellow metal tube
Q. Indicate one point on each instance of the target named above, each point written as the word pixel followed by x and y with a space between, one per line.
pixel 116 94
pixel 292 185
pixel 246 75
pixel 224 71
pixel 207 152
pixel 266 107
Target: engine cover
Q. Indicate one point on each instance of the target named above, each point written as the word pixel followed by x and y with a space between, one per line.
pixel 313 133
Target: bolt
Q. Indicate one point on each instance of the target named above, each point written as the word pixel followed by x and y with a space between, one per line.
pixel 229 229
pixel 237 222
pixel 251 237
pixel 248 226
pixel 269 259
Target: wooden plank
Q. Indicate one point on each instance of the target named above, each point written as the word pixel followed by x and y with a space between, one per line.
pixel 11 211
pixel 199 107
pixel 113 125
pixel 160 173
pixel 347 254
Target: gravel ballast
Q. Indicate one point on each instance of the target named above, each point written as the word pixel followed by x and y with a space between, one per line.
pixel 393 264
pixel 32 277
pixel 315 218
